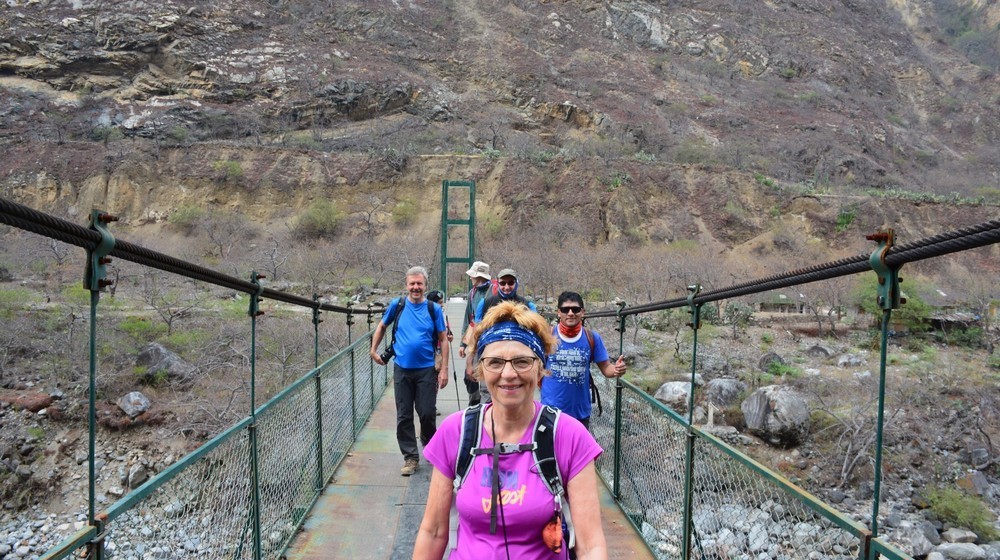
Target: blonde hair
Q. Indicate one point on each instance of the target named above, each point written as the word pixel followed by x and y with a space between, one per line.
pixel 523 316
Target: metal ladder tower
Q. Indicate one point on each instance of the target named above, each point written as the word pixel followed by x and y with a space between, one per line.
pixel 463 215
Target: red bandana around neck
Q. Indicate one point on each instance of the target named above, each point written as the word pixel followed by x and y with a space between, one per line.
pixel 570 332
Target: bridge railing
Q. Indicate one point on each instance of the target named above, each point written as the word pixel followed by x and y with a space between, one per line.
pixel 244 493
pixel 690 495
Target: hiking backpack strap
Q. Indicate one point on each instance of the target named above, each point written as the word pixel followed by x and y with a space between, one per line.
pixel 544 456
pixel 469 439
pixel 400 303
pixel 595 395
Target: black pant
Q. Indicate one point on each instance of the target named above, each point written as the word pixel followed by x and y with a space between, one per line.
pixel 415 389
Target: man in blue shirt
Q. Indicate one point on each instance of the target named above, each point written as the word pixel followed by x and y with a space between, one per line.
pixel 568 388
pixel 419 330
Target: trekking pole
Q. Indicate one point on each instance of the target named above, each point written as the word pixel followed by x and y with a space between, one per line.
pixel 454 375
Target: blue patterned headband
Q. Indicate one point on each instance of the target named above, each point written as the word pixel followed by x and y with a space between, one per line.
pixel 510 330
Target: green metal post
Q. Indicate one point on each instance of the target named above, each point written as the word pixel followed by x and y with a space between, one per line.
pixel 695 324
pixel 95 280
pixel 254 312
pixel 318 382
pixel 616 477
pixel 469 223
pixel 354 395
pixel 889 298
pixel 350 321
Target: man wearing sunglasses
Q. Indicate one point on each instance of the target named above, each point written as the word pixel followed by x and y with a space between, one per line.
pixel 568 388
pixel 506 291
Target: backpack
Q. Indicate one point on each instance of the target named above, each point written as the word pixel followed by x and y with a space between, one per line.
pixel 542 449
pixel 400 303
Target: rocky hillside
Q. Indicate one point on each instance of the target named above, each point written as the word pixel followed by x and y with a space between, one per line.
pixel 652 121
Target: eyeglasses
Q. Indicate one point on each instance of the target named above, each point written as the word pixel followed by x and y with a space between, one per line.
pixel 521 364
pixel 506 282
pixel 571 309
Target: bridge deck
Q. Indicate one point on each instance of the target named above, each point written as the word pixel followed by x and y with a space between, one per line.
pixel 370 512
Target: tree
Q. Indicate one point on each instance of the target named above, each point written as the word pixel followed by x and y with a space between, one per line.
pixel 170 305
pixel 273 259
pixel 225 230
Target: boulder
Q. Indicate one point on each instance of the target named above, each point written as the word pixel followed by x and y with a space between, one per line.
pixel 778 414
pixel 161 363
pixel 675 395
pixel 724 391
pixel 819 351
pixel 133 404
pixel 961 551
pixel 34 402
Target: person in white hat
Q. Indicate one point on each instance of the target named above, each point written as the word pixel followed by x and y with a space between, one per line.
pixel 481 284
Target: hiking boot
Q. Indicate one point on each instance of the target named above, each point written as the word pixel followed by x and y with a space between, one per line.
pixel 409 467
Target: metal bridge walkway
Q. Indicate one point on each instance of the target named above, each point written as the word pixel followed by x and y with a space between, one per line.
pixel 370 512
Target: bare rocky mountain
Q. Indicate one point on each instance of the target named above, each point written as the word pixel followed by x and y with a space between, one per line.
pixel 605 135
pixel 651 120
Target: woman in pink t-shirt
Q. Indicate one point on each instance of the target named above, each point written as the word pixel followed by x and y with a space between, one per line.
pixel 512 343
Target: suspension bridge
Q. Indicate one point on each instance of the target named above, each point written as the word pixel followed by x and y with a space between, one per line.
pixel 312 472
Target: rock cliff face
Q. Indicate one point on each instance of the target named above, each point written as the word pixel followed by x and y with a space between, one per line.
pixel 139 104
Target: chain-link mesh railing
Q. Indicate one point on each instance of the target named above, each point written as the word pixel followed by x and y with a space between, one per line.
pixel 199 507
pixel 739 509
pixel 203 506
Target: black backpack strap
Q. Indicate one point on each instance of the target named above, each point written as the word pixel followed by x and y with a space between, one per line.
pixel 544 455
pixel 400 303
pixel 469 438
pixel 545 449
pixel 595 395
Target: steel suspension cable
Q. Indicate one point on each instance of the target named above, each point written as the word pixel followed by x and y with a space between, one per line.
pixel 979 235
pixel 23 217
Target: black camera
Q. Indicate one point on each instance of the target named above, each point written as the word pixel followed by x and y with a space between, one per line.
pixel 387 355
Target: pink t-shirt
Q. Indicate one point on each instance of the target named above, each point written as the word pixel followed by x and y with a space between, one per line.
pixel 526 504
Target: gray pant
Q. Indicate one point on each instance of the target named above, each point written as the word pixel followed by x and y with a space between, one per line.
pixel 416 389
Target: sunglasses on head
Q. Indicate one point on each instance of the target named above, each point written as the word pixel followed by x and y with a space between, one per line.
pixel 571 309
pixel 506 282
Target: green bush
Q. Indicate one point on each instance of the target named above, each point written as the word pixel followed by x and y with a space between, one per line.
pixel 971 337
pixel 320 219
pixel 141 329
pixel 184 340
pixel 228 170
pixel 644 156
pixel 405 212
pixel 959 509
pixel 779 369
pixel 763 180
pixel 13 298
pixel 187 217
pixel 846 217
pixel 994 361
